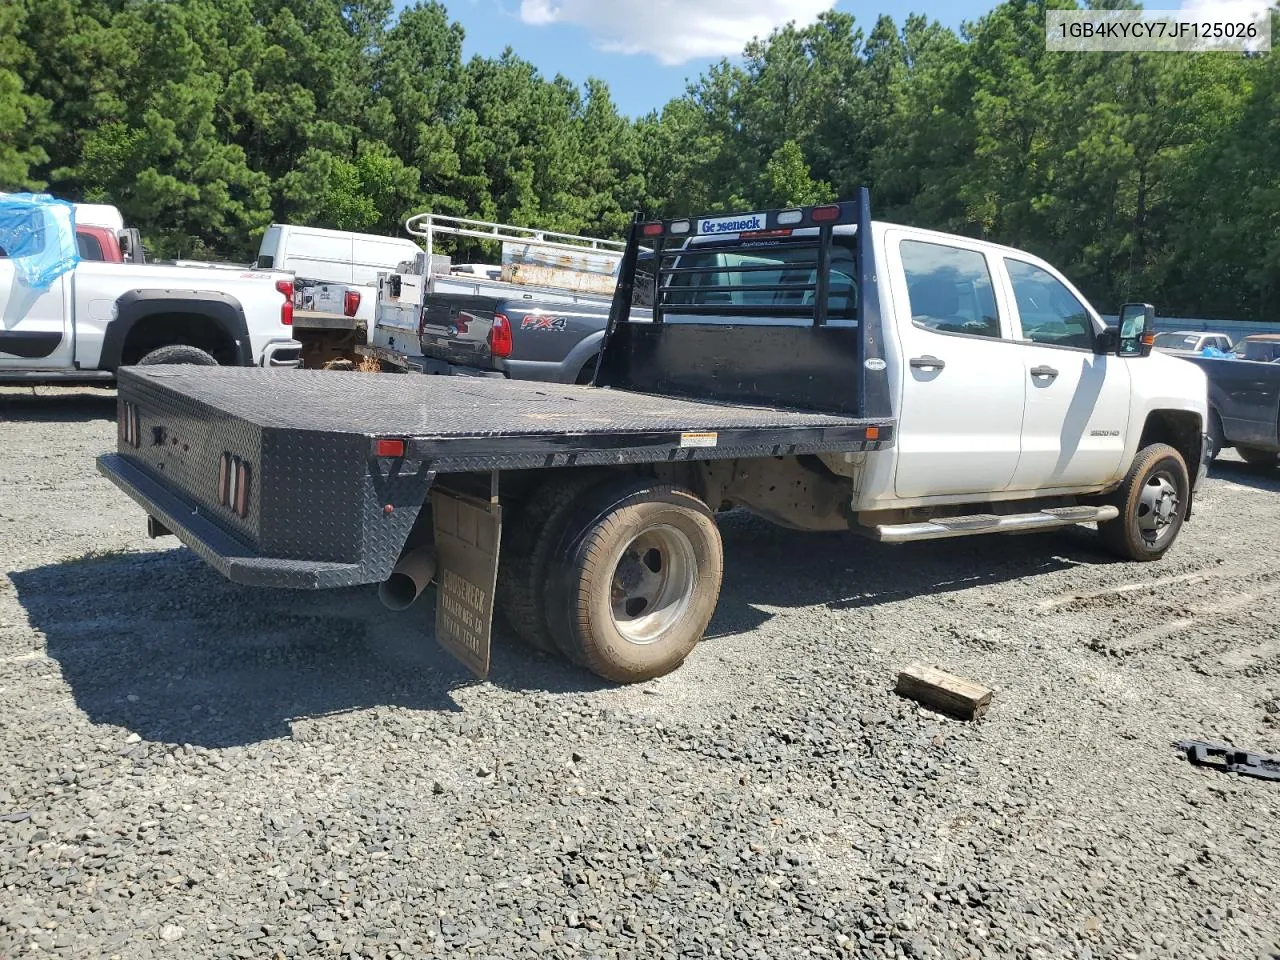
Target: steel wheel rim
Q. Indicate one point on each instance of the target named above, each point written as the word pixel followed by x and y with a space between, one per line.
pixel 652 584
pixel 1158 507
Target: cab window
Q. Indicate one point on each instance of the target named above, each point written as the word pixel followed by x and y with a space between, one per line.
pixel 767 267
pixel 950 289
pixel 24 238
pixel 90 247
pixel 1050 313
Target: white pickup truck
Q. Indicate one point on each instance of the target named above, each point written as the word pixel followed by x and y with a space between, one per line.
pixel 335 285
pixel 95 316
pixel 811 366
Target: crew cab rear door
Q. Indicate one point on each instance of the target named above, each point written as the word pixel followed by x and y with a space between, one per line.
pixel 962 375
pixel 35 325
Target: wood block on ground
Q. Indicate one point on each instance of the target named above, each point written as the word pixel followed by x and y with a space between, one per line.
pixel 944 692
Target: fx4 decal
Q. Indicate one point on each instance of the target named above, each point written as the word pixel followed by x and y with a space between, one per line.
pixel 540 322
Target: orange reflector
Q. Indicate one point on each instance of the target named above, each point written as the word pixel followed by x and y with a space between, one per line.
pixel 1148 339
pixel 873 433
pixel 390 448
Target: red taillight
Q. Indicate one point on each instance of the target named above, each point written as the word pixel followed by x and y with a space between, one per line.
pixel 129 424
pixel 286 308
pixel 224 478
pixel 652 230
pixel 825 214
pixel 241 502
pixel 500 336
pixel 351 302
pixel 234 476
pixel 390 448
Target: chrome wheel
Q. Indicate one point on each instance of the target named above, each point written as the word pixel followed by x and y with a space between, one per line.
pixel 1158 507
pixel 652 583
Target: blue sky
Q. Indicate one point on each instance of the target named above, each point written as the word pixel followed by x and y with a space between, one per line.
pixel 670 38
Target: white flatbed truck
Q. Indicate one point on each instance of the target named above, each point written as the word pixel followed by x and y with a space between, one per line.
pixel 819 369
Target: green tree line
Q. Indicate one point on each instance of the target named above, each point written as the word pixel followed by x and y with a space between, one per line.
pixel 1144 176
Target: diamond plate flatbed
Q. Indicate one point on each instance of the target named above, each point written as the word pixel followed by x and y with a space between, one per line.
pixel 462 421
pixel 320 507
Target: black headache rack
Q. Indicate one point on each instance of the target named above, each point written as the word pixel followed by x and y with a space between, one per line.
pixel 709 340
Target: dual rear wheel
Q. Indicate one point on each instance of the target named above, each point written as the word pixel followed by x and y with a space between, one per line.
pixel 621 576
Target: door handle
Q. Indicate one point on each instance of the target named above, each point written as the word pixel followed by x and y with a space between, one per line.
pixel 1043 371
pixel 926 362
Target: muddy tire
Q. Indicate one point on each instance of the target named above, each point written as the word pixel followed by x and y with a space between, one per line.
pixel 527 544
pixel 1152 501
pixel 1257 456
pixel 632 593
pixel 178 353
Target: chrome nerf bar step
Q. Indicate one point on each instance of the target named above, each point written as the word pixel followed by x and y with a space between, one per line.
pixel 940 527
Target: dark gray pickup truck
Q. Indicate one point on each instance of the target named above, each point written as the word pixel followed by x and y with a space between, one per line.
pixel 538 335
pixel 519 339
pixel 1244 398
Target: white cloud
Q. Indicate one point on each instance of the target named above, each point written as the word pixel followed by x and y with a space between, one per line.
pixel 673 31
pixel 1224 9
pixel 1229 11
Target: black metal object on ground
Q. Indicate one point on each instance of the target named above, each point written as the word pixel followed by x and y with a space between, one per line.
pixel 1228 759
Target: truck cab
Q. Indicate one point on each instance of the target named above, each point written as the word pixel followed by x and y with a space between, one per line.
pixel 1006 383
pixel 1191 342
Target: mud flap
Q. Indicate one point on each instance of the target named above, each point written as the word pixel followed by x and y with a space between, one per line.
pixel 468 532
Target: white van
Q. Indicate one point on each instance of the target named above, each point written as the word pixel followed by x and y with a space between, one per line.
pixel 333 256
pixel 99 215
pixel 328 263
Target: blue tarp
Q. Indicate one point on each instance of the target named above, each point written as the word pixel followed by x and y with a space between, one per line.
pixel 1212 351
pixel 38 232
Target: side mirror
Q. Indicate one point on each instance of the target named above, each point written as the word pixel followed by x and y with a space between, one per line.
pixel 1137 331
pixel 1107 342
pixel 131 245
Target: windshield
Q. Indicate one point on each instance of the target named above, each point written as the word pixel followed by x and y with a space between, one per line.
pixel 1263 351
pixel 1177 341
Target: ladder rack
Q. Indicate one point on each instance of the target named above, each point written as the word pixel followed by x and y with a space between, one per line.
pixel 428 225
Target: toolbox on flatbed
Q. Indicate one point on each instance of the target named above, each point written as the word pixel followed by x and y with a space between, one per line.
pixel 320 485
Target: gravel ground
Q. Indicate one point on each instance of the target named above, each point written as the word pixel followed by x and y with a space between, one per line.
pixel 216 771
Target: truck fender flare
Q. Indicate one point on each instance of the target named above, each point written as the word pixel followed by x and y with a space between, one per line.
pixel 223 309
pixel 583 350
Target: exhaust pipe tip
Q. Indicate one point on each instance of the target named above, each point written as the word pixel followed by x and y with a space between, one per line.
pixel 408 579
pixel 398 591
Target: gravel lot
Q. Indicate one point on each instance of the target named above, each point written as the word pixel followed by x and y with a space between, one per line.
pixel 216 771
